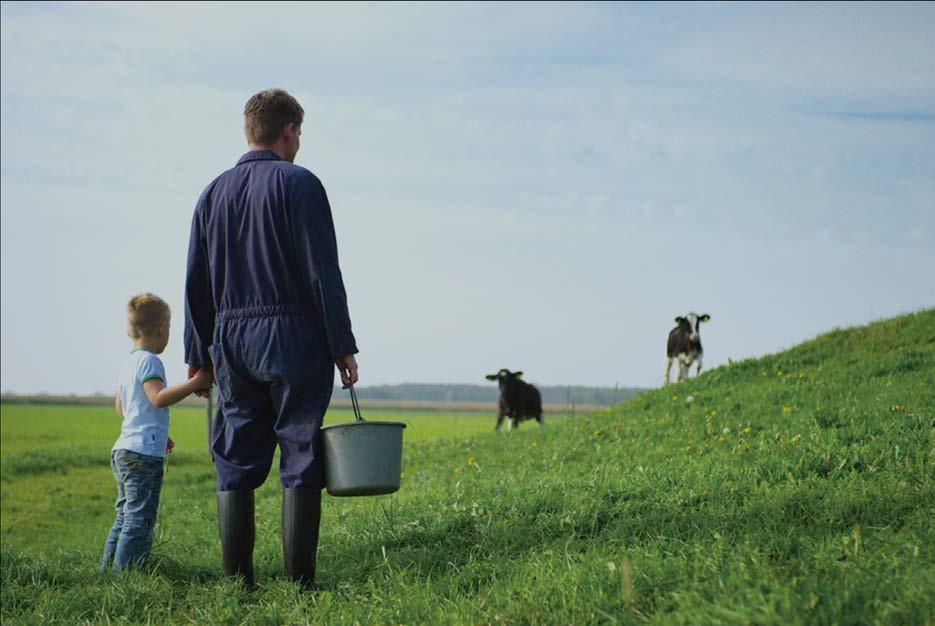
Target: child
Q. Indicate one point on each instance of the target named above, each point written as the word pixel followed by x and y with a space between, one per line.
pixel 136 458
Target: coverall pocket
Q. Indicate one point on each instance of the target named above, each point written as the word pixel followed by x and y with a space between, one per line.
pixel 221 378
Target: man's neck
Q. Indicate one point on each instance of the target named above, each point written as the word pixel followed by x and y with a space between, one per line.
pixel 276 148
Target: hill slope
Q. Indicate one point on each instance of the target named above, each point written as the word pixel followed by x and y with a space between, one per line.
pixel 795 488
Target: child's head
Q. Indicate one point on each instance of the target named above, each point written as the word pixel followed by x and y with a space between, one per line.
pixel 148 318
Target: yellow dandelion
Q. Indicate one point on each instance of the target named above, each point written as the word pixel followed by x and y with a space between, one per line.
pixel 786 410
pixel 674 398
pixel 457 470
pixel 896 408
pixel 746 429
pixel 535 444
pixel 596 433
pixel 471 460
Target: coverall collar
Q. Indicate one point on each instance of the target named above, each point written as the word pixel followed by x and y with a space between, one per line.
pixel 259 155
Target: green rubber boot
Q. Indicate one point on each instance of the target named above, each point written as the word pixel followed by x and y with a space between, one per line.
pixel 238 533
pixel 301 519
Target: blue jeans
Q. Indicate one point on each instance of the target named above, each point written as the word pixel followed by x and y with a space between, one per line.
pixel 139 480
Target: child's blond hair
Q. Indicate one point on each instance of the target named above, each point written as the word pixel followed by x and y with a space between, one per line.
pixel 146 312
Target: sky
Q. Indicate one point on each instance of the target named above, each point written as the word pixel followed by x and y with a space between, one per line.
pixel 542 187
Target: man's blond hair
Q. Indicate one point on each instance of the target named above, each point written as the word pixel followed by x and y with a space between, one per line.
pixel 267 112
pixel 146 312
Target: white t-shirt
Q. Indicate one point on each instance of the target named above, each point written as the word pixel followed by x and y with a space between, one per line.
pixel 145 428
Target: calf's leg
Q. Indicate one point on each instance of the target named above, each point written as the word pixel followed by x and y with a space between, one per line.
pixel 668 368
pixel 683 369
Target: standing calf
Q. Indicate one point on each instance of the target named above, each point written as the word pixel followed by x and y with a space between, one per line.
pixel 518 399
pixel 685 344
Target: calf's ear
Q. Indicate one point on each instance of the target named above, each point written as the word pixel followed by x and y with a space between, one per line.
pixel 517 374
pixel 679 319
pixel 491 377
pixel 705 317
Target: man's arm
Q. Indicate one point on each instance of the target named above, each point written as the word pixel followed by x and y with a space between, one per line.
pixel 317 252
pixel 118 404
pixel 199 303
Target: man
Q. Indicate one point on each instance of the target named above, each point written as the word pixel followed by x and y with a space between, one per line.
pixel 266 308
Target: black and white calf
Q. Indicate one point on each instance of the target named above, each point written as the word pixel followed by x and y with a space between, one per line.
pixel 685 344
pixel 518 400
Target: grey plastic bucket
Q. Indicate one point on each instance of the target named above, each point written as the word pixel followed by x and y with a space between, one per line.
pixel 362 458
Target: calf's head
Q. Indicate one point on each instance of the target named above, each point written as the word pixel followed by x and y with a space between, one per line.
pixel 504 377
pixel 692 323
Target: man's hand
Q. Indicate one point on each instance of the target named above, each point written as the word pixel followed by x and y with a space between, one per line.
pixel 347 367
pixel 193 369
pixel 169 444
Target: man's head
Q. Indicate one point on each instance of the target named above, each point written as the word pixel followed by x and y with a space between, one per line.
pixel 148 319
pixel 273 121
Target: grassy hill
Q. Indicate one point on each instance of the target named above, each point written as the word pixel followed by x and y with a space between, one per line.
pixel 795 488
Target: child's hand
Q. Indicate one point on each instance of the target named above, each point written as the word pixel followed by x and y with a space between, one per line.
pixel 169 444
pixel 201 379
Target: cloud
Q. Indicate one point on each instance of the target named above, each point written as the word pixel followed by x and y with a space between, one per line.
pixel 907 117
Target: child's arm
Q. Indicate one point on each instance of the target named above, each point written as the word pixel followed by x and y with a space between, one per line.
pixel 161 396
pixel 118 404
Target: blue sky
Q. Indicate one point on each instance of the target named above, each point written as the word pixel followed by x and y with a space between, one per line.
pixel 539 187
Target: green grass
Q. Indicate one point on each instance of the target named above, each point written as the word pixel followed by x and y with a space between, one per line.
pixel 796 488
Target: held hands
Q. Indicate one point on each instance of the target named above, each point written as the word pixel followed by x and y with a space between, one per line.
pixel 204 377
pixel 347 367
pixel 169 445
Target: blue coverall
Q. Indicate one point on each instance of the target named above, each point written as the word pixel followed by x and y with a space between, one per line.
pixel 265 304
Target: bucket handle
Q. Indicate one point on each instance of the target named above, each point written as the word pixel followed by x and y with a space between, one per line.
pixel 355 404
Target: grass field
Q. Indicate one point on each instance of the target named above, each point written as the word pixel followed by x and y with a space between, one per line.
pixel 796 488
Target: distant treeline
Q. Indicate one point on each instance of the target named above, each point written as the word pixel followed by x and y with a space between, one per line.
pixel 489 393
pixel 408 392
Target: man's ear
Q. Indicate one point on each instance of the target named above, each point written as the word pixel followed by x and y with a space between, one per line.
pixel 491 377
pixel 705 317
pixel 291 129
